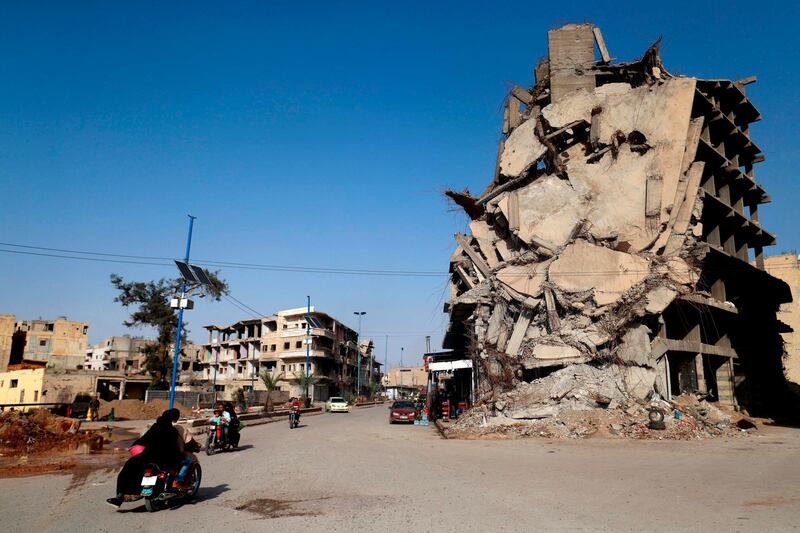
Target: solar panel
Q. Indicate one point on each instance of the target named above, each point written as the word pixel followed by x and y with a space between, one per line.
pixel 201 275
pixel 186 272
pixel 314 322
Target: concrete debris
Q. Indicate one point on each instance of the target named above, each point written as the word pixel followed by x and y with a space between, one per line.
pixel 594 231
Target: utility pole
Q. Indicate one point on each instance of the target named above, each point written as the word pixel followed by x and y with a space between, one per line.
pixel 216 364
pixel 180 320
pixel 308 345
pixel 358 347
pixel 401 370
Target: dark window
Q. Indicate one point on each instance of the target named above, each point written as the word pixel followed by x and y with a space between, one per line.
pixel 272 348
pixel 298 344
pixel 13 384
pixel 43 343
pixel 285 345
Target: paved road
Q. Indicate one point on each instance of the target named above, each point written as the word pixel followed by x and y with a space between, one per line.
pixel 355 472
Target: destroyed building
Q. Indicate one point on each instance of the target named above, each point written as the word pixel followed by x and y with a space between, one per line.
pixel 612 248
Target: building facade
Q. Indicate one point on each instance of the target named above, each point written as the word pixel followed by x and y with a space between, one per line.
pixel 620 232
pixel 61 343
pixel 787 268
pixel 236 354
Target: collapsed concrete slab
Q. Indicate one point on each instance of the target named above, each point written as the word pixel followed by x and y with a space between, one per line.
pixel 614 230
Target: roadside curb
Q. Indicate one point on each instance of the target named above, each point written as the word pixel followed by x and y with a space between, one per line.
pixel 440 429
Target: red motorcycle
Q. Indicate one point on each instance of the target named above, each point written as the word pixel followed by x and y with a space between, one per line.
pixel 216 441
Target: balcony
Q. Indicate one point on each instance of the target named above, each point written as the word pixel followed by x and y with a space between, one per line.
pixel 301 332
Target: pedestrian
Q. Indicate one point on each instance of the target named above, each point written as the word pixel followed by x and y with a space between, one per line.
pixel 94 407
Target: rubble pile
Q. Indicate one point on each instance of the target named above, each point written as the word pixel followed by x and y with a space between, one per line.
pixel 39 431
pixel 588 231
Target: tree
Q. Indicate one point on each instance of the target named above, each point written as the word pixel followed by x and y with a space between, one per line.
pixel 304 382
pixel 271 383
pixel 151 300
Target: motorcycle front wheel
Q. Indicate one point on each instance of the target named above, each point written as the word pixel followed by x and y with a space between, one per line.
pixel 197 476
pixel 210 445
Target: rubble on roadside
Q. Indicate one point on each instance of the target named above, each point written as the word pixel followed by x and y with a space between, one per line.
pixel 39 431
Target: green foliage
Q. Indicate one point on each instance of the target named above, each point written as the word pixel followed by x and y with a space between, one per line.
pixel 158 365
pixel 372 388
pixel 150 300
pixel 270 383
pixel 303 382
pixel 238 396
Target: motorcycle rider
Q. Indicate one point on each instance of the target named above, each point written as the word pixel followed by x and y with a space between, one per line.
pixel 188 446
pixel 295 408
pixel 223 419
pixel 233 425
pixel 161 446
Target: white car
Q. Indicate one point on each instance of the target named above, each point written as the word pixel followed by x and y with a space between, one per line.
pixel 337 405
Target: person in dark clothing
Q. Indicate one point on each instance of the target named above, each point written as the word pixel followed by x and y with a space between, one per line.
pixel 160 446
pixel 233 425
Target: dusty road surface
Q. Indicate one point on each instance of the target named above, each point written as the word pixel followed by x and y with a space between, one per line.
pixel 355 472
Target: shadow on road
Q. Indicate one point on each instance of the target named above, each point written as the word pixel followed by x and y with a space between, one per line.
pixel 209 493
pixel 205 493
pixel 245 447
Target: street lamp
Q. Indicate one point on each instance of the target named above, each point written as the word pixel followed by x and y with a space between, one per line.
pixel 358 348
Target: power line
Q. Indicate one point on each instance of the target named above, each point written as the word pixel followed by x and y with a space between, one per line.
pixel 151 261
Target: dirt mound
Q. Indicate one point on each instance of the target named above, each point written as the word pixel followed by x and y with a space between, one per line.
pixel 138 410
pixel 39 431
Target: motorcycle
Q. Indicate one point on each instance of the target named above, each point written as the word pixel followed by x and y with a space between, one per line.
pixel 216 440
pixel 294 418
pixel 157 489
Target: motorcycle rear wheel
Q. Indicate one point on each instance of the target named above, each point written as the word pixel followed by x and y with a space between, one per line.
pixel 153 505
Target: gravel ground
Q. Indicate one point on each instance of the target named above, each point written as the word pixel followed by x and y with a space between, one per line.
pixel 355 472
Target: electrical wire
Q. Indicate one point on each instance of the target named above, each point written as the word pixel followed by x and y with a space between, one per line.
pixel 105 257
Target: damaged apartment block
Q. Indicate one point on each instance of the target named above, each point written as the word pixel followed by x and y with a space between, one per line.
pixel 608 259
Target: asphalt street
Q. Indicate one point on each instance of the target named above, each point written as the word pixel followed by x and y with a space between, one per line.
pixel 355 472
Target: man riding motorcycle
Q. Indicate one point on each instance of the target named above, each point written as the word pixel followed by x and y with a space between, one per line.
pixel 294 410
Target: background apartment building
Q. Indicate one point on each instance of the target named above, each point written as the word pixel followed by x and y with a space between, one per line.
pixel 119 352
pixel 241 351
pixel 61 343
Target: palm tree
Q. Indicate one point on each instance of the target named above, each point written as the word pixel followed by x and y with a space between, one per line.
pixel 304 382
pixel 271 383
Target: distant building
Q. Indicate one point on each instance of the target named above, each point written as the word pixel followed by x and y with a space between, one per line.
pixel 236 354
pixel 60 343
pixel 787 268
pixel 120 352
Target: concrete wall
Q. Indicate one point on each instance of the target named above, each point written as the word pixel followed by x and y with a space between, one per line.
pixel 62 387
pixel 7 323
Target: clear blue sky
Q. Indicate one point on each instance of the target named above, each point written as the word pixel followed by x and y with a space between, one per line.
pixel 308 133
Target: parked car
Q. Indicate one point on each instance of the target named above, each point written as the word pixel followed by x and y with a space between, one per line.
pixel 402 411
pixel 336 404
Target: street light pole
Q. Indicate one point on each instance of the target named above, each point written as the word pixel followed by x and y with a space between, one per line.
pixel 386 365
pixel 358 348
pixel 308 344
pixel 180 320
